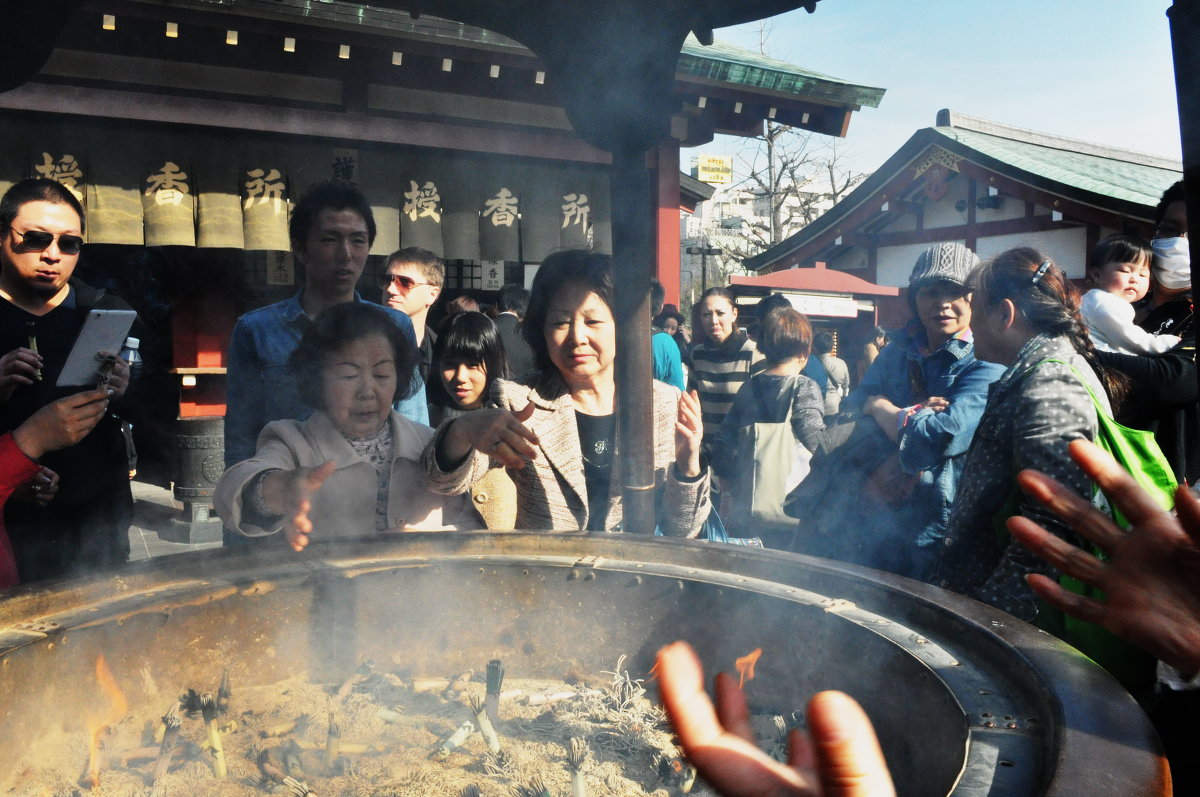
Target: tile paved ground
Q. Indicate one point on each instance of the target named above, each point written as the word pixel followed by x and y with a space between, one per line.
pixel 154 511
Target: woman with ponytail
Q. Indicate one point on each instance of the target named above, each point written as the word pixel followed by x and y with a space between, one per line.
pixel 1024 316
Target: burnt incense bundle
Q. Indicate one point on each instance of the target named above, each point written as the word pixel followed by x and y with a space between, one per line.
pixel 486 729
pixel 298 788
pixel 166 750
pixel 495 682
pixel 333 743
pixel 535 788
pixel 453 740
pixel 577 753
pixel 208 707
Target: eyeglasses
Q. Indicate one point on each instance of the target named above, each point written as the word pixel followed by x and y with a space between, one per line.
pixel 39 241
pixel 403 284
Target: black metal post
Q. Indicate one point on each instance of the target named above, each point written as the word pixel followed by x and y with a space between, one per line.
pixel 632 261
pixel 1184 16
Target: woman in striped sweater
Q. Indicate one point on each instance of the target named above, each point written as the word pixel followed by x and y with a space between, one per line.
pixel 723 360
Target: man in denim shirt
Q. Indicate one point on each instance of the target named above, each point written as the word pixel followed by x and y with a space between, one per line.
pixel 332 229
pixel 926 391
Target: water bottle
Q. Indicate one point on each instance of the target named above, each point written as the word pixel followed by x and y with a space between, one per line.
pixel 131 355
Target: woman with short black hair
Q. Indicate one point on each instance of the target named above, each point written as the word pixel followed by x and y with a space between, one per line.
pixel 555 430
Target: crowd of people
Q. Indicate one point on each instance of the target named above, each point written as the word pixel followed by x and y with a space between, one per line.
pixel 348 418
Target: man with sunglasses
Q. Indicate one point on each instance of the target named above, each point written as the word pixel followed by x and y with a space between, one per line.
pixel 86 524
pixel 412 284
pixel 331 231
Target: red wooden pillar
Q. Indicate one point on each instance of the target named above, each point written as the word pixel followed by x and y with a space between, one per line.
pixel 666 222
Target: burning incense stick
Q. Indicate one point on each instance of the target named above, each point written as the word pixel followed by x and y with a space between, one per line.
pixel 486 729
pixel 333 743
pixel 32 329
pixel 389 716
pixel 107 364
pixel 554 697
pixel 452 742
pixel 208 707
pixel 298 725
pixel 495 680
pixel 577 753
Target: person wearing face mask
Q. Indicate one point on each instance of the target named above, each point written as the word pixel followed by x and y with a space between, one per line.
pixel 1163 395
pixel 1164 399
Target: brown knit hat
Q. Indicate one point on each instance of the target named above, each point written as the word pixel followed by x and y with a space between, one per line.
pixel 944 262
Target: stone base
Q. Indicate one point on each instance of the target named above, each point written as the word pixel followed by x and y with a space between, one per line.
pixel 195 524
pixel 191 531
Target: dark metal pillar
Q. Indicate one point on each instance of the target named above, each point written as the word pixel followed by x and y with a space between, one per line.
pixel 1185 47
pixel 632 208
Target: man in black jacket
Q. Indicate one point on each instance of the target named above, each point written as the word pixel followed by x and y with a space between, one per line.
pixel 513 301
pixel 1164 397
pixel 85 524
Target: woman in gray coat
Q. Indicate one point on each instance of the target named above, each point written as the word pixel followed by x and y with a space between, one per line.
pixel 1024 316
pixel 555 430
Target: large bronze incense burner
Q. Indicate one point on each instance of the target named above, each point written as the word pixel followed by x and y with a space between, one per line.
pixel 967 701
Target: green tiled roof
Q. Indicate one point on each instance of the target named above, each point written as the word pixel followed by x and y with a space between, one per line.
pixel 730 64
pixel 1118 180
pixel 1112 174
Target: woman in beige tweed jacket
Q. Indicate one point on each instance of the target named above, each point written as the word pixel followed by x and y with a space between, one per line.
pixel 537 424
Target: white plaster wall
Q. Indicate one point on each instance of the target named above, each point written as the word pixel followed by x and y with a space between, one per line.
pixel 943 213
pixel 1067 248
pixel 895 263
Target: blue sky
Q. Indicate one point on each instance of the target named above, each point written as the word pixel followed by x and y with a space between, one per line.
pixel 1098 70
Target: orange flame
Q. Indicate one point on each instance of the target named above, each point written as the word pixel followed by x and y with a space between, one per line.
pixel 117 706
pixel 745 666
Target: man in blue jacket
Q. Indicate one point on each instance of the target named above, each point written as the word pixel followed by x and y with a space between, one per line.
pixel 925 392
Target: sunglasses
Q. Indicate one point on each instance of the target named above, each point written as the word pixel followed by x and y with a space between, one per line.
pixel 38 241
pixel 403 284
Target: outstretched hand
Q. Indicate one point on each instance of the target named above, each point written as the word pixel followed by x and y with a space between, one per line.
pixel 289 493
pixel 501 434
pixel 841 758
pixel 1152 577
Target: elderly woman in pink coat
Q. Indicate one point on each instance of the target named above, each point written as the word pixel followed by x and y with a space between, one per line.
pixel 350 470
